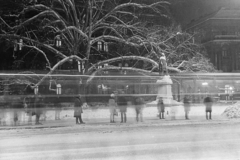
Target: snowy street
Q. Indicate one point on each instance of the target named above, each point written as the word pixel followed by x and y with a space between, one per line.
pixel 207 141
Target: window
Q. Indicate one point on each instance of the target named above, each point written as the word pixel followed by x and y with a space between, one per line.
pixel 224 53
pixel 100 46
pixel 103 46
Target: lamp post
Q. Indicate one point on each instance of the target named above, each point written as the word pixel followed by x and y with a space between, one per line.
pixel 205 85
pixel 58 41
pixel 231 93
pixel 58 109
pixel 20 44
pixel 81 66
pixel 59 89
pixel 106 65
pixel 36 90
pixel 126 65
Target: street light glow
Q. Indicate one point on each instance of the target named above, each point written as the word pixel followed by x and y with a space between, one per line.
pixel 204 83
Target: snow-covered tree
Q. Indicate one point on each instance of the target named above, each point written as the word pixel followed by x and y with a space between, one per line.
pixel 66 30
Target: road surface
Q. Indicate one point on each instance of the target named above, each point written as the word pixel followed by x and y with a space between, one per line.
pixel 124 141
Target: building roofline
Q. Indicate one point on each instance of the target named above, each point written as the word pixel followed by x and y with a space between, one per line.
pixel 207 18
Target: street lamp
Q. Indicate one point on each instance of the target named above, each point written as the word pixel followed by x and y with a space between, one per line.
pixel 81 67
pixel 20 44
pixel 15 45
pixel 205 85
pixel 36 90
pixel 126 65
pixel 59 89
pixel 58 41
pixel 106 65
pixel 231 93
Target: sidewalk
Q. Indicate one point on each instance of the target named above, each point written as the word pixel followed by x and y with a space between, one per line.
pixel 100 117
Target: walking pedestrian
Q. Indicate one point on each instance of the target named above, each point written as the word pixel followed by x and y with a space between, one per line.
pixel 28 106
pixel 186 104
pixel 78 110
pixel 122 104
pixel 139 105
pixel 38 109
pixel 161 107
pixel 112 107
pixel 16 105
pixel 208 104
pixel 2 116
pixel 58 109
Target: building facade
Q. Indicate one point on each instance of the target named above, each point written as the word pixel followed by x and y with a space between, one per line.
pixel 219 32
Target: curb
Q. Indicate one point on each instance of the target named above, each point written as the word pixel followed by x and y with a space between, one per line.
pixel 146 123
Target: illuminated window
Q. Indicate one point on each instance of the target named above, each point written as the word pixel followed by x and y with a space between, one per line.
pixel 224 53
pixel 105 47
pixel 100 46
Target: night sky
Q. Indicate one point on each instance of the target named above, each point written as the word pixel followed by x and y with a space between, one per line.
pixel 186 10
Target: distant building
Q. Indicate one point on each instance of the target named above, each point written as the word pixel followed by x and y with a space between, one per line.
pixel 219 32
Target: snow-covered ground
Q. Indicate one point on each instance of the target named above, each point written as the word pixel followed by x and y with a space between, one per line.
pixel 101 112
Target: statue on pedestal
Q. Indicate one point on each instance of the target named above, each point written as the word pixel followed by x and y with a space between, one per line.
pixel 163 65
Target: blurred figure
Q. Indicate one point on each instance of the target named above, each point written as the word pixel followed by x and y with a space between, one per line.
pixel 173 111
pixel 44 110
pixel 38 109
pixel 139 105
pixel 16 105
pixel 186 104
pixel 208 102
pixel 112 107
pixel 58 109
pixel 2 116
pixel 28 106
pixel 78 109
pixel 161 108
pixel 122 104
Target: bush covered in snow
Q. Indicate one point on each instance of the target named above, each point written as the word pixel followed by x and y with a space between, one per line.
pixel 232 111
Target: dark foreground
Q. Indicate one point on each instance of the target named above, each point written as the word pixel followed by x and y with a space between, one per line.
pixel 124 141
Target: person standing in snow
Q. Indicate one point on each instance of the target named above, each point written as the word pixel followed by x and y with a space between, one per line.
pixel 208 102
pixel 78 110
pixel 112 107
pixel 139 105
pixel 186 104
pixel 161 108
pixel 122 104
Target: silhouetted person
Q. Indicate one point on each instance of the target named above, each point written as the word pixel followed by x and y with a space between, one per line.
pixel 28 103
pixel 78 110
pixel 58 109
pixel 186 104
pixel 208 103
pixel 122 104
pixel 38 109
pixel 112 107
pixel 161 108
pixel 16 105
pixel 2 116
pixel 139 105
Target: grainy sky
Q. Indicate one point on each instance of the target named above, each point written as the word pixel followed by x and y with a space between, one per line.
pixel 186 10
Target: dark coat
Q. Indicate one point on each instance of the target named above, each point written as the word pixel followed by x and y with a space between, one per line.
pixel 122 104
pixel 78 107
pixel 186 104
pixel 208 103
pixel 161 106
pixel 139 104
pixel 38 106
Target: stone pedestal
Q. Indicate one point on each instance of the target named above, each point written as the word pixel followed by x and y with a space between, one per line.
pixel 165 89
